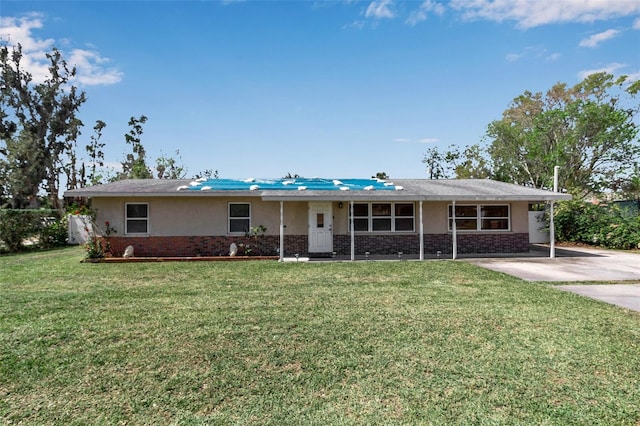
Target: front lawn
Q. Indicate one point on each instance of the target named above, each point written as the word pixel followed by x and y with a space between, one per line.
pixel 435 342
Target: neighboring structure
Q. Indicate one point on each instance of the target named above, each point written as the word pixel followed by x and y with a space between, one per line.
pixel 313 216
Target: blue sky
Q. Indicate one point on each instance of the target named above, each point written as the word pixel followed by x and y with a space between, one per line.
pixel 318 88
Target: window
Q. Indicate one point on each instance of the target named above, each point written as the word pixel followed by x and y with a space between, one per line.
pixel 239 218
pixel 481 217
pixel 403 217
pixel 137 218
pixel 383 217
pixel 494 218
pixel 361 217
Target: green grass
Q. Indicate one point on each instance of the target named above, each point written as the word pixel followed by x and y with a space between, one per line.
pixel 436 342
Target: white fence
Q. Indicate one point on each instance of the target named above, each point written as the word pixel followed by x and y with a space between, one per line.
pixel 79 228
pixel 537 232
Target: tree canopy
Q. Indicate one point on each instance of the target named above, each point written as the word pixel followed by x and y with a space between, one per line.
pixel 589 130
pixel 135 164
pixel 40 118
pixel 39 130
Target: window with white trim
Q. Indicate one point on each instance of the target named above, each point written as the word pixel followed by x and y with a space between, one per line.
pixel 136 218
pixel 383 217
pixel 239 218
pixel 481 217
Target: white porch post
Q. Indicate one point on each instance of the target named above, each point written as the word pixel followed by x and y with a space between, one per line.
pixel 552 230
pixel 552 233
pixel 281 231
pixel 353 241
pixel 421 234
pixel 454 236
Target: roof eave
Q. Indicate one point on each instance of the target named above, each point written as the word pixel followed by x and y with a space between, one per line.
pixel 415 197
pixel 353 196
pixel 186 193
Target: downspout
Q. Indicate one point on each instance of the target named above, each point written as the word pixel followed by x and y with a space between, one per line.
pixel 552 230
pixel 281 231
pixel 353 241
pixel 454 235
pixel 421 234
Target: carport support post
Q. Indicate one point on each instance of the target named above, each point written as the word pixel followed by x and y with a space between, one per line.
pixel 281 231
pixel 552 228
pixel 552 233
pixel 454 234
pixel 421 234
pixel 353 241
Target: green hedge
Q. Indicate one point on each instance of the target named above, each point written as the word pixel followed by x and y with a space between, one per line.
pixel 606 226
pixel 46 228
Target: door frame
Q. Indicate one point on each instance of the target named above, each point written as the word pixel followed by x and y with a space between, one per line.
pixel 325 208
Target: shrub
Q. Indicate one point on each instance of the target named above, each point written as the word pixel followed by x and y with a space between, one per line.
pixel 607 226
pixel 17 226
pixel 99 244
pixel 54 233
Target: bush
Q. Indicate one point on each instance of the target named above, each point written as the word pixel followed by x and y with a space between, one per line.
pixel 607 226
pixel 54 233
pixel 17 226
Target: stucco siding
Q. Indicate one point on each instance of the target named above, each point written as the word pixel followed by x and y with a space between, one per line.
pixel 436 216
pixel 169 216
pixel 194 217
pixel 520 217
pixel 296 218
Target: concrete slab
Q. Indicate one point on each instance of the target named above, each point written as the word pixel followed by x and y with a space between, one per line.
pixel 624 295
pixel 574 264
pixel 578 264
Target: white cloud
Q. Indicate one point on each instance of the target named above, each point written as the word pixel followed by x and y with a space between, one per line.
pixel 427 6
pixel 14 31
pixel 379 9
pixel 358 24
pixel 636 24
pixel 611 69
pixel 535 52
pixel 512 57
pixel 596 39
pixel 634 76
pixel 553 57
pixel 90 66
pixel 533 13
pixel 423 140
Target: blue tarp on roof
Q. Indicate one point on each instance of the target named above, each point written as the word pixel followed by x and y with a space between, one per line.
pixel 293 184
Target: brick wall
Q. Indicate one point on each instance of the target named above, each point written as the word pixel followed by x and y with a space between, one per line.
pixel 299 244
pixel 376 244
pixel 207 245
pixel 410 244
pixel 493 243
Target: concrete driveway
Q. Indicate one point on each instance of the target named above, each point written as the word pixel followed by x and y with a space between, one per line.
pixel 578 264
pixel 570 264
pixel 625 295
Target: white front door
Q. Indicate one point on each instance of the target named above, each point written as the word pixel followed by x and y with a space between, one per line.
pixel 320 227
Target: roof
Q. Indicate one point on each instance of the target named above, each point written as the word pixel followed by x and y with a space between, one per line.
pixel 291 184
pixel 324 189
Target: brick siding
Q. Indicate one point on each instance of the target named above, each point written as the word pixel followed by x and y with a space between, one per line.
pixel 299 244
pixel 410 244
